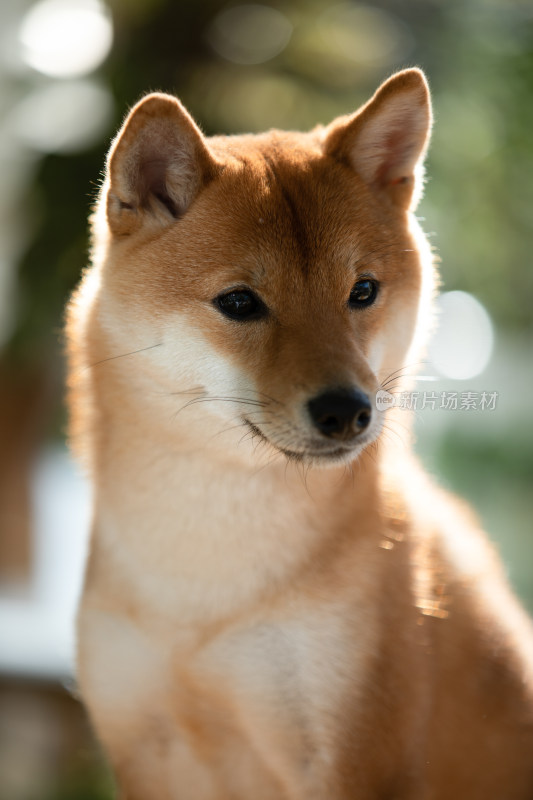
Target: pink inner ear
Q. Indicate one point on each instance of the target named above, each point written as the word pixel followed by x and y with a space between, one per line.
pixel 398 162
pixel 153 183
pixel 386 139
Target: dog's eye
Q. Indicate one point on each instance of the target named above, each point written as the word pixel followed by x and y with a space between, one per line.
pixel 363 293
pixel 241 304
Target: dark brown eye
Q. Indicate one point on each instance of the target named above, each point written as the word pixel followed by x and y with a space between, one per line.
pixel 363 293
pixel 240 304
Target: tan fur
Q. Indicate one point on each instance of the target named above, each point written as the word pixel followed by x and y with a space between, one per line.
pixel 254 624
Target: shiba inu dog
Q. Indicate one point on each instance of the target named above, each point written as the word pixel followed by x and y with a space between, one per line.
pixel 278 604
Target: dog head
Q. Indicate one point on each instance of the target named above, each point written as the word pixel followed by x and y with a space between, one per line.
pixel 266 284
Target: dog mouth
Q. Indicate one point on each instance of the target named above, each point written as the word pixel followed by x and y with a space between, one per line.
pixel 317 453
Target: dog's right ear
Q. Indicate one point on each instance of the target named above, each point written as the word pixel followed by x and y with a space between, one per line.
pixel 386 140
pixel 157 165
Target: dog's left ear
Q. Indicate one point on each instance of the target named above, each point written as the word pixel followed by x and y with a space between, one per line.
pixel 157 165
pixel 386 140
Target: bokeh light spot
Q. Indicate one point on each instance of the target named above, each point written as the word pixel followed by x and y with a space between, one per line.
pixel 462 344
pixel 366 35
pixel 249 34
pixel 64 117
pixel 66 38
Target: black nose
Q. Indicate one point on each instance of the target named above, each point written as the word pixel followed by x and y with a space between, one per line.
pixel 340 413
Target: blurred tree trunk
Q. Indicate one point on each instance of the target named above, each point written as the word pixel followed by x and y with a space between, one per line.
pixel 23 399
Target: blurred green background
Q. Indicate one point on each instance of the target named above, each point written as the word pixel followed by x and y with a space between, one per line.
pixel 247 67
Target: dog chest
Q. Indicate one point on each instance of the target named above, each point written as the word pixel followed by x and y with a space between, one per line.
pixel 271 690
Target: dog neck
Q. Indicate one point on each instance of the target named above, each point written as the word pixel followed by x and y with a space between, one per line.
pixel 219 533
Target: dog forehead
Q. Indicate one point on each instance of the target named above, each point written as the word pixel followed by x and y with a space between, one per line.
pixel 292 200
pixel 290 183
pixel 280 217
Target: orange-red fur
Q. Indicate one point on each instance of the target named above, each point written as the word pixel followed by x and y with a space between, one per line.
pixel 254 625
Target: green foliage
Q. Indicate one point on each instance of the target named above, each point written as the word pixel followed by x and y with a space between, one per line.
pixel 93 784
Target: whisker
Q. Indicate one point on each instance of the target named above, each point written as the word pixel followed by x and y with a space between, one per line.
pixel 236 400
pixel 241 400
pixel 248 434
pixel 386 429
pixel 400 373
pixel 276 454
pixel 390 422
pixel 372 456
pixel 123 355
pixel 407 366
pixel 387 438
pixel 193 390
pixel 348 469
pixel 394 385
pixel 238 425
pixel 271 399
